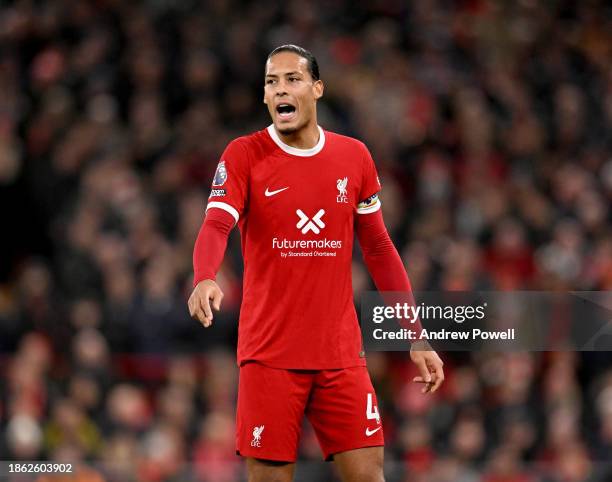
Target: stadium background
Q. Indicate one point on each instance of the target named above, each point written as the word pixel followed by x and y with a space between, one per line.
pixel 490 123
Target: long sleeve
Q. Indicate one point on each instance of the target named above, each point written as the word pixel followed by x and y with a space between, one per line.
pixel 210 244
pixel 381 258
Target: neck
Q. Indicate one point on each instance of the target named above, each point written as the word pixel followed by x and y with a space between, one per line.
pixel 305 138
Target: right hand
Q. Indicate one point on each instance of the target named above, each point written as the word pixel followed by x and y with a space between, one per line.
pixel 199 301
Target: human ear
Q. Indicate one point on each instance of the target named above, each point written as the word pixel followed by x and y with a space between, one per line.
pixel 318 89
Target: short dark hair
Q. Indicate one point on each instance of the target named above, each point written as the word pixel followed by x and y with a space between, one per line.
pixel 313 65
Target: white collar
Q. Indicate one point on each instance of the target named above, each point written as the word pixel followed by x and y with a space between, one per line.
pixel 294 150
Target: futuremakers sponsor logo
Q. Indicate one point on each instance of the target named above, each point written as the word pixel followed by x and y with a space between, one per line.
pixel 306 243
pixel 306 224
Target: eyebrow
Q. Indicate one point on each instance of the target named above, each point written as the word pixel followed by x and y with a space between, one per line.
pixel 287 73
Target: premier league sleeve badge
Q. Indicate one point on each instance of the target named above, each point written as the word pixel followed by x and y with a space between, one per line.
pixel 220 175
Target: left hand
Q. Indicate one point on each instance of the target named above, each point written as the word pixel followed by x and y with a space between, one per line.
pixel 429 364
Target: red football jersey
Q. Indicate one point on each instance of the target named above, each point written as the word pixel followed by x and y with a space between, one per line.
pixel 295 209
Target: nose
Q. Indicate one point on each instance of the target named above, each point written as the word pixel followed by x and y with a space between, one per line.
pixel 281 88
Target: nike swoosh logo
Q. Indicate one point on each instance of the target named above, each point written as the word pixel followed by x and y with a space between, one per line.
pixel 272 193
pixel 372 432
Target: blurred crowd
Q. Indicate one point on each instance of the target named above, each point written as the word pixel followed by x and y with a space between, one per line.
pixel 490 123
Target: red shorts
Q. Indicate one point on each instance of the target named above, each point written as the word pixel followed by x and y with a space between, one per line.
pixel 340 404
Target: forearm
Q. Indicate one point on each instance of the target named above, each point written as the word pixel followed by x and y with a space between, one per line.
pixel 382 259
pixel 210 245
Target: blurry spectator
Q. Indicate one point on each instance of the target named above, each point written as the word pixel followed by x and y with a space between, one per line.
pixel 70 425
pixel 505 466
pixel 118 456
pixel 163 454
pixel 24 438
pixel 127 408
pixel 213 453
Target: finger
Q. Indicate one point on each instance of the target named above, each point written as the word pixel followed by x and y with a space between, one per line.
pixel 205 305
pixel 206 321
pixel 427 385
pixel 432 371
pixel 217 297
pixel 202 318
pixel 423 370
pixel 439 377
pixel 193 307
pixel 422 366
pixel 433 366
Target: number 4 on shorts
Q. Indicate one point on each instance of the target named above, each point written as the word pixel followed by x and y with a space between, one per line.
pixel 372 410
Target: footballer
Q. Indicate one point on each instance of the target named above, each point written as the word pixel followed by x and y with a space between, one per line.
pixel 299 194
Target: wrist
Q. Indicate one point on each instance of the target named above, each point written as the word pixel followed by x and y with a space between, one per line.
pixel 202 279
pixel 420 345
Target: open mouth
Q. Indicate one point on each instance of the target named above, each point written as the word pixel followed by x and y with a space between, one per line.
pixel 285 111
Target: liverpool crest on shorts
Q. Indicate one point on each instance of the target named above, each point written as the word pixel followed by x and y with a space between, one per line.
pixel 256 442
